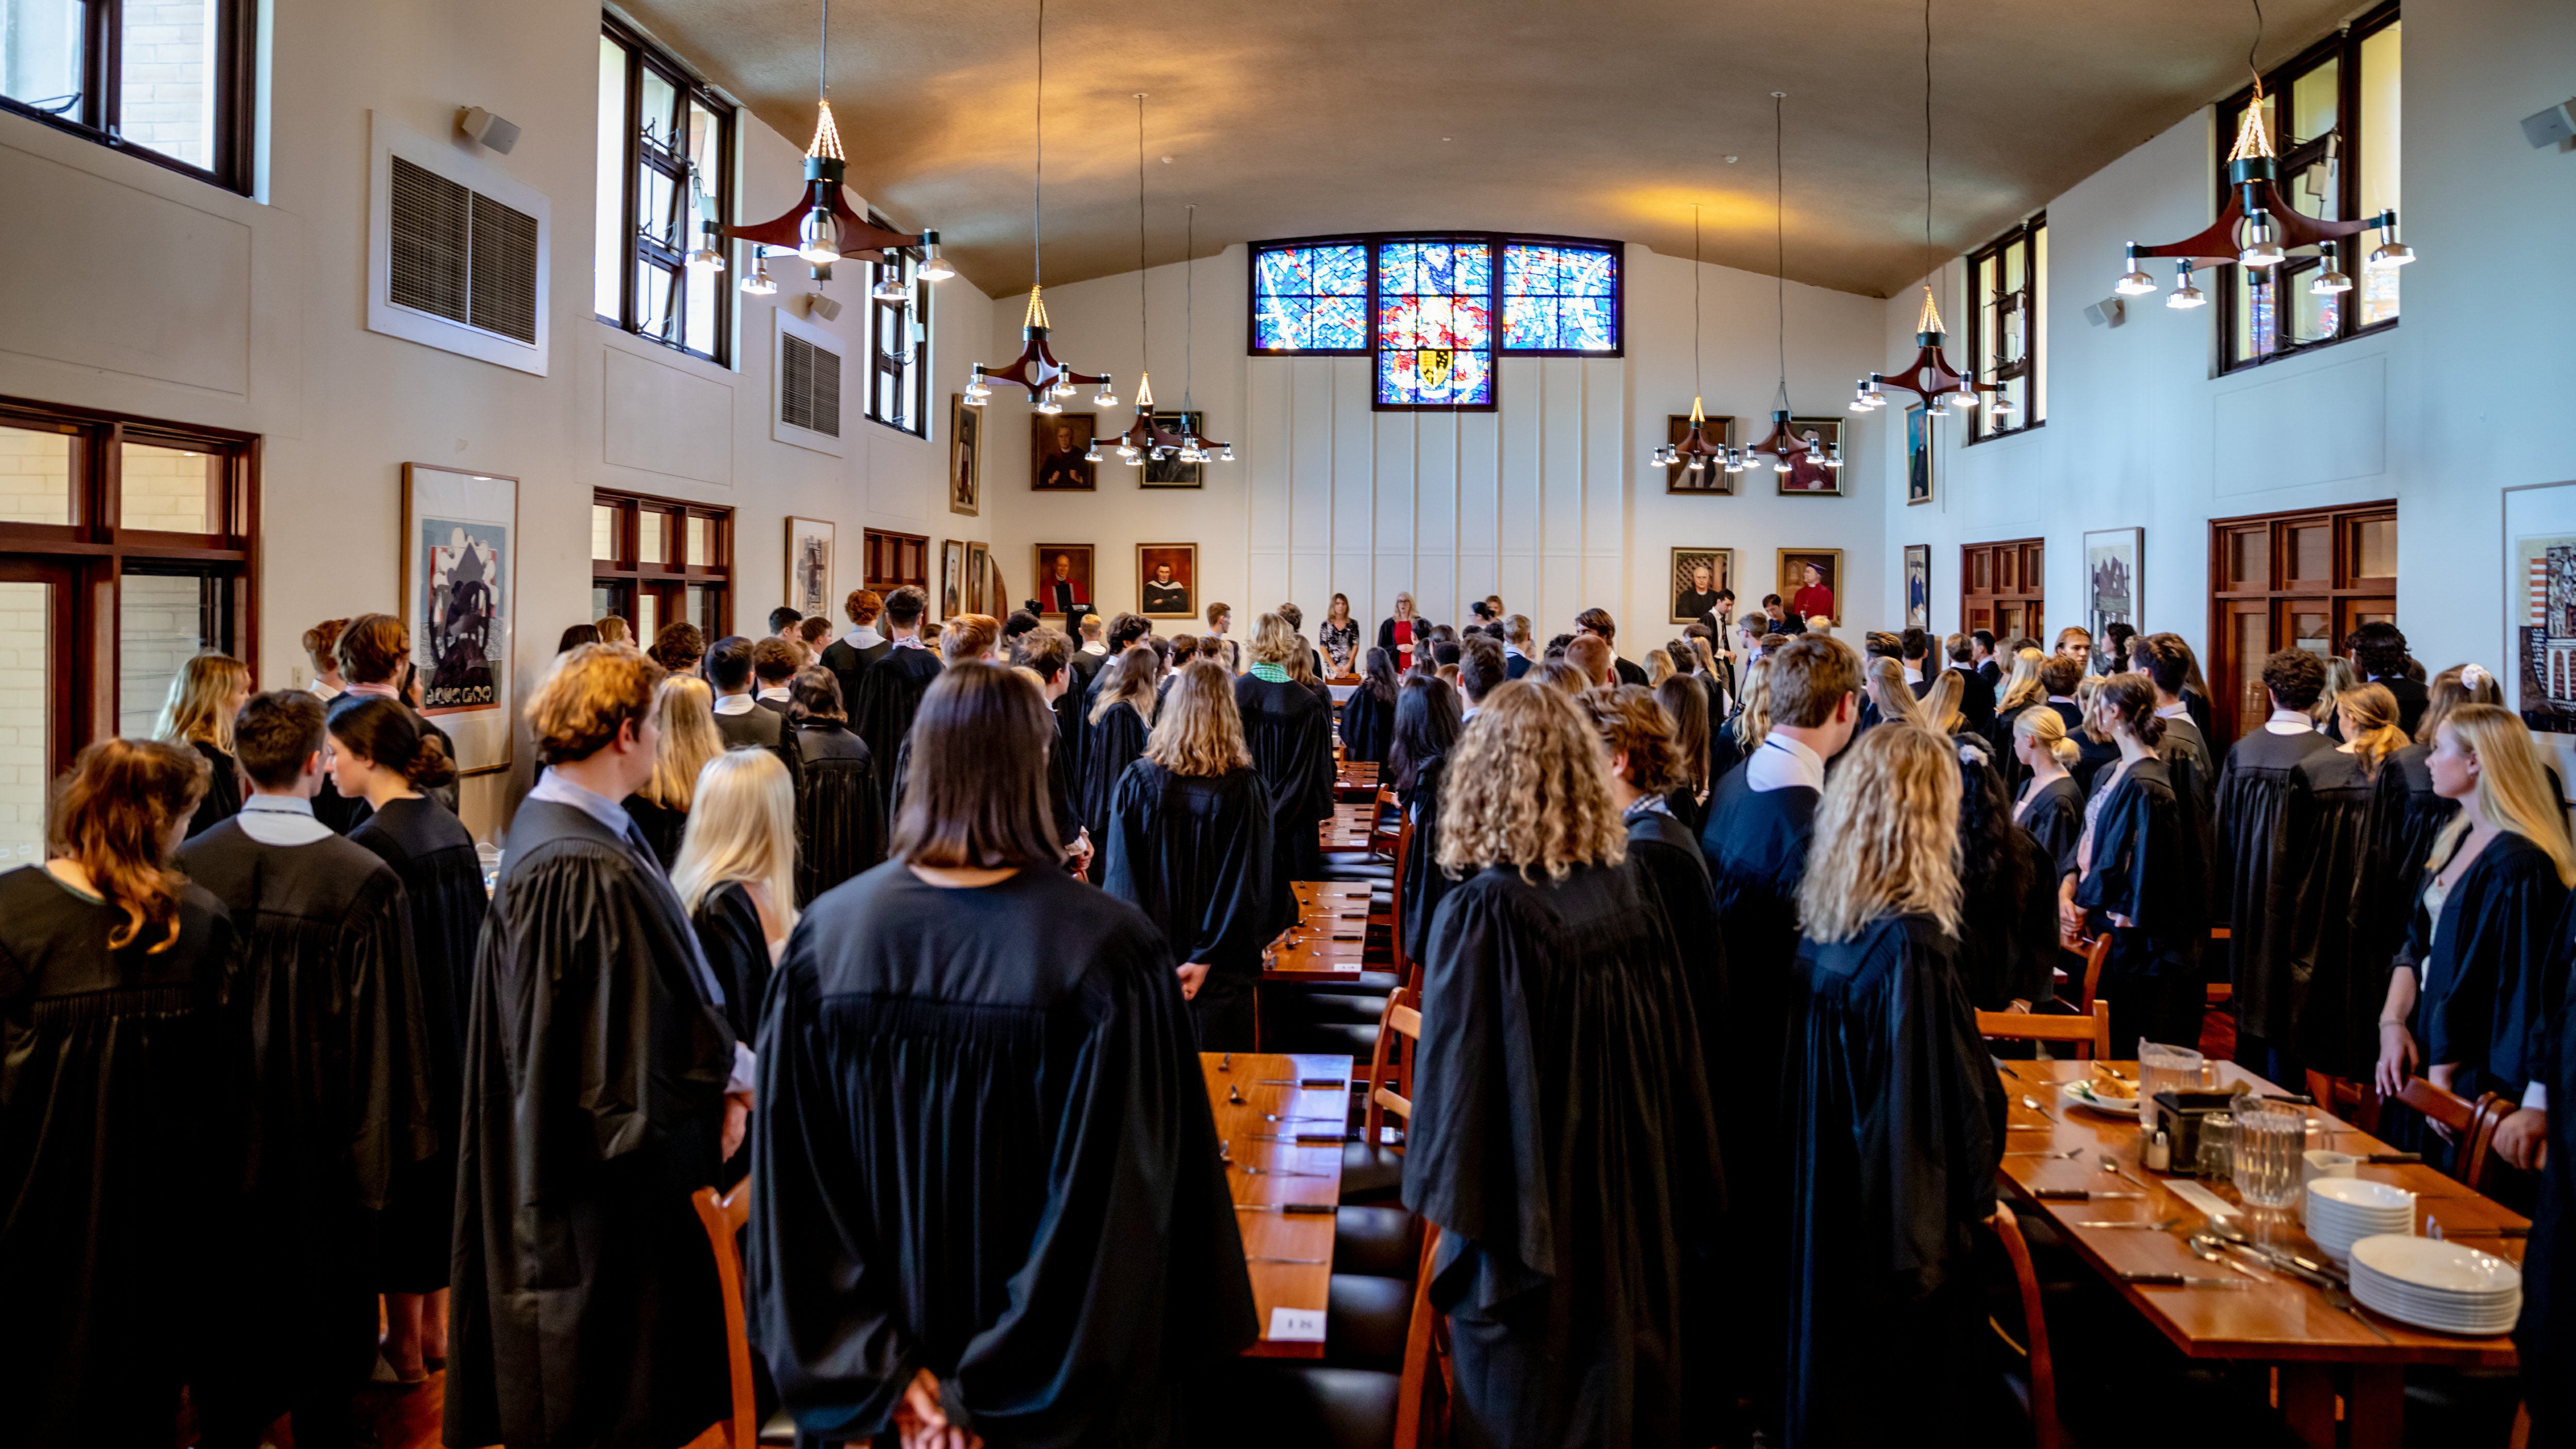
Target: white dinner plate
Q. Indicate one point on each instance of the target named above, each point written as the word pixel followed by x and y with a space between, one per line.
pixel 2453 1269
pixel 2081 1094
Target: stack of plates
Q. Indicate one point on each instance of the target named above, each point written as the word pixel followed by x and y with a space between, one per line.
pixel 2343 1210
pixel 2437 1285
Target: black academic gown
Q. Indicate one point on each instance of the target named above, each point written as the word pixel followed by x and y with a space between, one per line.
pixel 850 665
pixel 1291 736
pixel 840 822
pixel 443 888
pixel 342 1085
pixel 2346 913
pixel 1424 883
pixel 223 798
pixel 1110 744
pixel 584 1308
pixel 2412 816
pixel 2486 991
pixel 984 1149
pixel 1193 853
pixel 1562 1138
pixel 120 1159
pixel 1368 726
pixel 1070 726
pixel 2007 942
pixel 665 829
pixel 889 696
pixel 343 813
pixel 2546 1336
pixel 2258 881
pixel 727 923
pixel 2146 868
pixel 2055 819
pixel 1896 1119
pixel 1664 854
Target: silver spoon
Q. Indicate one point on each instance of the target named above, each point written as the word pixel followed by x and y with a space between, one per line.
pixel 2112 1164
pixel 2071 1152
pixel 2211 1249
pixel 2033 1104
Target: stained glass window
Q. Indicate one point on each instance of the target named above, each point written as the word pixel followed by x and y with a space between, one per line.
pixel 1310 298
pixel 1435 324
pixel 1560 298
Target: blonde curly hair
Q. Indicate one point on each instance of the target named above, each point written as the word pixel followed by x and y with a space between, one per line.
pixel 1887 836
pixel 1529 786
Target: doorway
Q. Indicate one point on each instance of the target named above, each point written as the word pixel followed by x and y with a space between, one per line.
pixel 2301 580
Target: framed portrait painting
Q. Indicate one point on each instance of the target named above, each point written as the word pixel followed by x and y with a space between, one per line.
pixel 1063 572
pixel 460 601
pixel 2113 583
pixel 1921 435
pixel 979 576
pixel 1167 580
pixel 965 456
pixel 1918 586
pixel 809 566
pixel 1172 472
pixel 1711 481
pixel 1810 582
pixel 1698 573
pixel 952 578
pixel 1806 477
pixel 1057 445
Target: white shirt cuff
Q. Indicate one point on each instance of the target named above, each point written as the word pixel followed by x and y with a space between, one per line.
pixel 2536 1097
pixel 745 1065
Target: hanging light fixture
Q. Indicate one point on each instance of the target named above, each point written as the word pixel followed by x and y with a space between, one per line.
pixel 1931 378
pixel 1035 369
pixel 1204 450
pixel 821 227
pixel 1696 446
pixel 1782 447
pixel 1143 438
pixel 2258 226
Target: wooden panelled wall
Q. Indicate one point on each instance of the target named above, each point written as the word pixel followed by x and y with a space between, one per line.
pixel 1528 500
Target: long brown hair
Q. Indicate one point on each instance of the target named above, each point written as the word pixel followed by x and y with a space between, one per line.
pixel 974 788
pixel 113 818
pixel 388 736
pixel 200 702
pixel 1685 701
pixel 1139 670
pixel 2458 685
pixel 1200 731
pixel 1529 786
pixel 2369 716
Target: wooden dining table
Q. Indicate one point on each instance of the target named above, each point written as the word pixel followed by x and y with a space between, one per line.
pixel 1355 781
pixel 2321 1353
pixel 1289 1254
pixel 1349 826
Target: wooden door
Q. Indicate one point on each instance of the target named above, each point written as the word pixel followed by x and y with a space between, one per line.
pixel 2000 587
pixel 2301 580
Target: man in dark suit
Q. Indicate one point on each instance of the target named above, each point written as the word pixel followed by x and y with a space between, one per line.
pixel 1518 644
pixel 739 717
pixel 2378 650
pixel 1976 692
pixel 1782 621
pixel 1981 648
pixel 1087 658
pixel 849 656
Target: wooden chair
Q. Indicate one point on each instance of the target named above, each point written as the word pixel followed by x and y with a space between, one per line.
pixel 1391 1071
pixel 2356 1102
pixel 1382 836
pixel 1422 1394
pixel 1403 964
pixel 2472 1125
pixel 2037 1390
pixel 724 1218
pixel 2091 1032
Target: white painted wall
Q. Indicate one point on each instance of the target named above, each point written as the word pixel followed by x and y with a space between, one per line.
pixel 130 288
pixel 1548 500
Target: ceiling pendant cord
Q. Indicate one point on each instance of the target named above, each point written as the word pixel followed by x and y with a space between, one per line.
pixel 2250 50
pixel 823 56
pixel 1697 391
pixel 1037 187
pixel 1189 300
pixel 1144 332
pixel 1780 240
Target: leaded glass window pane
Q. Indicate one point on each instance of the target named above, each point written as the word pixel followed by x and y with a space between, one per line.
pixel 1560 298
pixel 1310 299
pixel 1435 324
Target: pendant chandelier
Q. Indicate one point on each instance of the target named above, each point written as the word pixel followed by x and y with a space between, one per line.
pixel 1783 447
pixel 821 227
pixel 1697 446
pixel 1146 437
pixel 1047 381
pixel 2258 225
pixel 1195 448
pixel 1931 378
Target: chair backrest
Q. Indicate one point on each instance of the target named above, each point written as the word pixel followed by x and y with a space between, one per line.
pixel 2472 1124
pixel 2090 1032
pixel 724 1219
pixel 2096 952
pixel 2044 1432
pixel 1390 1070
pixel 1421 1395
pixel 1395 903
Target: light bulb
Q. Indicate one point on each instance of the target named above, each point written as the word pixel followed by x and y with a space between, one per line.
pixel 1048 404
pixel 1126 449
pixel 1698 464
pixel 935 268
pixel 1227 456
pixel 1965 399
pixel 974 399
pixel 706 258
pixel 2261 250
pixel 978 388
pixel 2186 295
pixel 1833 459
pixel 1133 459
pixel 818 238
pixel 2330 282
pixel 2391 254
pixel 2134 283
pixel 1092 453
pixel 1734 461
pixel 2002 409
pixel 890 287
pixel 758 284
pixel 1780 467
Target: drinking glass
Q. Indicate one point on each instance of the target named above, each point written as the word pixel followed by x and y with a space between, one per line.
pixel 2214 1158
pixel 2269 1139
pixel 2163 1069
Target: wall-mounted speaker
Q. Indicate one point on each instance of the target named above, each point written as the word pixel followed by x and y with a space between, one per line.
pixel 818 305
pixel 481 125
pixel 2552 127
pixel 2109 312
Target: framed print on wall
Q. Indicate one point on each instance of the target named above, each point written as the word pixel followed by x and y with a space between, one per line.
pixel 2540 609
pixel 1711 481
pixel 460 599
pixel 965 456
pixel 979 572
pixel 1919 439
pixel 1698 573
pixel 809 566
pixel 2114 588
pixel 1167 580
pixel 1057 444
pixel 1808 479
pixel 1172 472
pixel 1810 580
pixel 952 578
pixel 1918 586
pixel 1063 573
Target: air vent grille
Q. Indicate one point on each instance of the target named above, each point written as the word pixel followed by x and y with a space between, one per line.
pixel 459 255
pixel 503 271
pixel 809 386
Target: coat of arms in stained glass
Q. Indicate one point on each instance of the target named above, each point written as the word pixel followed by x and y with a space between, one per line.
pixel 1435 333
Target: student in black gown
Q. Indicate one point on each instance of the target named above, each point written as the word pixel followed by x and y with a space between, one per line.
pixel 1426 731
pixel 1894 1112
pixel 987 1200
pixel 119 1150
pixel 739 719
pixel 375 658
pixel 892 688
pixel 684 709
pixel 341 1081
pixel 1562 1135
pixel 774 663
pixel 2470 1002
pixel 2007 933
pixel 1368 716
pixel 2415 813
pixel 603 1085
pixel 2166 659
pixel 2018 695
pixel 1663 851
pixel 1189 844
pixel 1291 736
pixel 2348 907
pixel 1115 734
pixel 1686 704
pixel 2143 878
pixel 2050 808
pixel 2537 1140
pixel 2257 881
pixel 1048 654
pixel 840 822
pixel 205 694
pixel 737 877
pixel 382 760
pixel 321 647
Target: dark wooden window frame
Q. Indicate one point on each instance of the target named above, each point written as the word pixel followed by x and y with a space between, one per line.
pixel 2345 139
pixel 2344 586
pixel 886 319
pixel 641 55
pixel 2027 551
pixel 92 555
pixel 883 553
pixel 1494 301
pixel 2034 328
pixel 668 582
pixel 94 115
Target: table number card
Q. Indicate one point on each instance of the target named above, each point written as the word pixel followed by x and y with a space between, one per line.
pixel 1297 1325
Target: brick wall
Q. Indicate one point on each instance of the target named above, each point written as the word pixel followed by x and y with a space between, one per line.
pixel 159 624
pixel 166 103
pixel 35 477
pixel 166 488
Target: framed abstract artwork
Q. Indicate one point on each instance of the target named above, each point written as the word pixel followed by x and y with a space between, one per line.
pixel 2114 581
pixel 809 566
pixel 460 601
